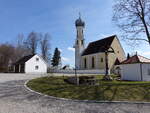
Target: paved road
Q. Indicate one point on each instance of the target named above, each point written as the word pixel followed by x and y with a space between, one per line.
pixel 15 98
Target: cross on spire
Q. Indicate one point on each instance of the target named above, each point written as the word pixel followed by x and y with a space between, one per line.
pixel 79 15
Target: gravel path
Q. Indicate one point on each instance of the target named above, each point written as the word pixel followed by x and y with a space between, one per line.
pixel 15 98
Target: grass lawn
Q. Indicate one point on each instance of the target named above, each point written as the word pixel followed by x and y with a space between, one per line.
pixel 107 90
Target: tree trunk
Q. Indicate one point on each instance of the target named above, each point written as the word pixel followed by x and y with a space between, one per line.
pixel 144 22
pixel 146 30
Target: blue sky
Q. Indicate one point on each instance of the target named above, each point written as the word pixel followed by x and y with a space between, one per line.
pixel 57 17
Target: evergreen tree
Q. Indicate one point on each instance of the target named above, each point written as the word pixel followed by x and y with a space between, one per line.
pixel 56 60
pixel 128 56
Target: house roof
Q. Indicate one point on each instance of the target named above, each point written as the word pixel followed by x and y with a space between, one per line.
pixel 24 59
pixel 136 59
pixel 117 62
pixel 99 46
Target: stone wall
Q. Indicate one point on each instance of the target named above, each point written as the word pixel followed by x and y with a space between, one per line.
pixel 78 71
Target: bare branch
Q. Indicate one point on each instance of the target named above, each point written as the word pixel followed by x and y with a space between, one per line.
pixel 139 39
pixel 133 18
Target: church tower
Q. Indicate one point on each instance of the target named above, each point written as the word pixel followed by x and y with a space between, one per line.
pixel 79 42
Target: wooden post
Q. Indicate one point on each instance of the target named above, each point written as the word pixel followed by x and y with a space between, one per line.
pixel 106 62
pixel 107 77
pixel 19 68
pixel 14 69
pixel 76 76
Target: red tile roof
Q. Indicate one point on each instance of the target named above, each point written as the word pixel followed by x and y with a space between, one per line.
pixel 136 59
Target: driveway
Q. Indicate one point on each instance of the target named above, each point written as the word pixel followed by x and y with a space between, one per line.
pixel 15 98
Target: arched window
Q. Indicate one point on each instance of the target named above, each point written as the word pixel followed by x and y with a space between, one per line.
pixel 82 42
pixel 77 33
pixel 77 42
pixel 93 62
pixel 85 63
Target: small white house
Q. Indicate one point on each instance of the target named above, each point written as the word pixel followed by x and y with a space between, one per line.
pixel 136 68
pixel 31 64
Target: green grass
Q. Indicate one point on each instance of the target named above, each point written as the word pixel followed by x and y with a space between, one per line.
pixel 107 90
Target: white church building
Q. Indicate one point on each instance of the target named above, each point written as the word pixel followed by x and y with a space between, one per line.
pixel 93 56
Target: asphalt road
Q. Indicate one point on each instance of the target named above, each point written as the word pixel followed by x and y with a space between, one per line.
pixel 15 98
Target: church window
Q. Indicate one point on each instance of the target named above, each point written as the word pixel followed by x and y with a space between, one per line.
pixel 85 63
pixel 77 33
pixel 101 59
pixel 77 42
pixel 82 42
pixel 93 62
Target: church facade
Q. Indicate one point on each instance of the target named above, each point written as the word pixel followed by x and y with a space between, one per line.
pixel 93 56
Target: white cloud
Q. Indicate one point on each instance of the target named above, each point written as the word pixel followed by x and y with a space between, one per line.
pixel 65 59
pixel 107 35
pixel 103 35
pixel 71 49
pixel 60 50
pixel 144 53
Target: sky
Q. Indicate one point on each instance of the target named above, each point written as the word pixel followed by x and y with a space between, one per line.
pixel 57 17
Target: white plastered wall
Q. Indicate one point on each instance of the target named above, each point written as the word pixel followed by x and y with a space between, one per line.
pixel 32 63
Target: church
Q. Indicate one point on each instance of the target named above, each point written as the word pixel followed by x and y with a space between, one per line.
pixel 93 56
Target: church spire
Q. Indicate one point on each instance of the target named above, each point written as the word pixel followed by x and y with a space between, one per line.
pixel 79 15
pixel 79 21
pixel 79 43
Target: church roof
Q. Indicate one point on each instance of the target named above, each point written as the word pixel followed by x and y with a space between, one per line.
pixel 136 59
pixel 99 46
pixel 24 59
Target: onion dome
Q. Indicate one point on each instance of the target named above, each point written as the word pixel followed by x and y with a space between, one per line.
pixel 79 22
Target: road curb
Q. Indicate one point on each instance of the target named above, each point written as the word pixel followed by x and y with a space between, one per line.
pixel 85 101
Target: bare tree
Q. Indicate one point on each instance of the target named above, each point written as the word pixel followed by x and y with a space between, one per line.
pixel 32 42
pixel 9 54
pixel 133 18
pixel 45 47
pixel 6 56
pixel 20 48
pixel 20 39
